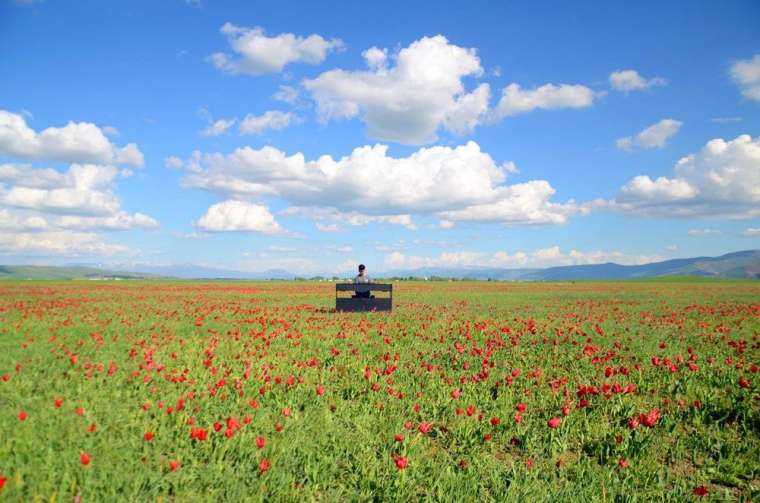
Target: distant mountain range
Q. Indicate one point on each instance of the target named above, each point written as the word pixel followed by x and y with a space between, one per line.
pixel 135 271
pixel 67 272
pixel 743 264
pixel 192 271
pixel 482 273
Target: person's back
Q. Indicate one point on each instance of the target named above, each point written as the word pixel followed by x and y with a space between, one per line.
pixel 362 279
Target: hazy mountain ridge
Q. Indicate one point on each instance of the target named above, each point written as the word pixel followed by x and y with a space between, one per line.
pixel 36 272
pixel 482 273
pixel 740 265
pixel 192 271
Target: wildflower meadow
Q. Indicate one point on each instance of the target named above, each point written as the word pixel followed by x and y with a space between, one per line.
pixel 466 391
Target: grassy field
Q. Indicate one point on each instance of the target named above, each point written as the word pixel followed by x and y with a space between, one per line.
pixel 188 391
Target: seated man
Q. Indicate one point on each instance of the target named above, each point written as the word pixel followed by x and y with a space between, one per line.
pixel 362 279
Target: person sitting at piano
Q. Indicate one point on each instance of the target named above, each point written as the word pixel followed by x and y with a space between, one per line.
pixel 362 279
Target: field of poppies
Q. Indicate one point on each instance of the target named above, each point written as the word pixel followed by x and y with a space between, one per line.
pixel 185 391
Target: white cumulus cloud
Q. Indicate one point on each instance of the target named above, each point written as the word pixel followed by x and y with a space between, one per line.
pixel 746 74
pixel 319 215
pixel 522 203
pixel 239 216
pixel 218 127
pixel 258 54
pixel 14 221
pixel 662 189
pixel 654 136
pixel 630 80
pixel 516 100
pixel 77 142
pixel 407 101
pixel 460 183
pixel 120 221
pixel 721 180
pixel 287 94
pixel 273 119
pixel 751 232
pixel 58 243
pixel 48 212
pixel 409 95
pixel 84 189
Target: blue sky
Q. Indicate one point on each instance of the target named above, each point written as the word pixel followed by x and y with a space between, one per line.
pixel 458 133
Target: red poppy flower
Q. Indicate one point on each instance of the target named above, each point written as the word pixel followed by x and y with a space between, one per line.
pixel 701 491
pixel 2 481
pixel 264 465
pixel 320 390
pixel 233 423
pixel 623 463
pixel 148 436
pixel 521 407
pixel 554 422
pixel 84 458
pixel 651 418
pixel 173 465
pixel 398 437
pixel 401 462
pixel 22 415
pixel 260 442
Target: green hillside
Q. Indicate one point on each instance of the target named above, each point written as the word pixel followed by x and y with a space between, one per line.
pixel 34 272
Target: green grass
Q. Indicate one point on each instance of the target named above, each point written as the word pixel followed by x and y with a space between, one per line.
pixel 441 336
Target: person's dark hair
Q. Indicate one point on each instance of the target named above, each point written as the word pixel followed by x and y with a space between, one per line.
pixel 361 267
